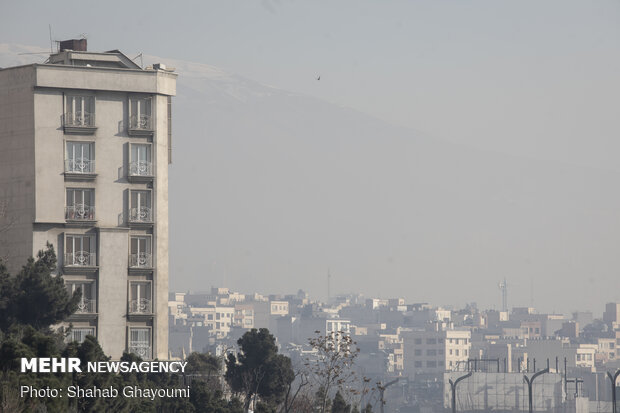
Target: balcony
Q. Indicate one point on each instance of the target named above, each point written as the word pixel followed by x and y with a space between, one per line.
pixel 140 171
pixel 141 263
pixel 86 306
pixel 140 306
pixel 140 125
pixel 81 261
pixel 80 214
pixel 140 216
pixel 82 123
pixel 140 348
pixel 80 169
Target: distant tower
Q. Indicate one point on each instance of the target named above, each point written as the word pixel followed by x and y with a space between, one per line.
pixel 329 279
pixel 503 286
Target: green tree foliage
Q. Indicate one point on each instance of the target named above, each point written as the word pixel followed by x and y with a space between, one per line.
pixel 339 405
pixel 34 296
pixel 258 369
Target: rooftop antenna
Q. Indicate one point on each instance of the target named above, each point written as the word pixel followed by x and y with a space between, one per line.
pixel 503 286
pixel 329 279
pixel 51 41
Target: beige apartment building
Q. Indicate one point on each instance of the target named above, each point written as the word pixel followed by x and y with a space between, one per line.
pixel 435 351
pixel 85 143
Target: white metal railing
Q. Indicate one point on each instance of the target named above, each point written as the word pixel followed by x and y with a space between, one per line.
pixel 141 348
pixel 80 166
pixel 140 306
pixel 81 258
pixel 140 168
pixel 142 122
pixel 140 214
pixel 79 334
pixel 141 260
pixel 80 119
pixel 80 212
pixel 87 306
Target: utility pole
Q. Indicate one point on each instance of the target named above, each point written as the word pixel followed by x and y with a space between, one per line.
pixel 613 379
pixel 529 386
pixel 382 390
pixel 453 387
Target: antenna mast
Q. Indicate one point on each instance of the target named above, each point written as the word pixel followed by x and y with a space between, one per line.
pixel 329 279
pixel 503 286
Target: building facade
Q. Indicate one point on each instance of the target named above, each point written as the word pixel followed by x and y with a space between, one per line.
pixel 85 146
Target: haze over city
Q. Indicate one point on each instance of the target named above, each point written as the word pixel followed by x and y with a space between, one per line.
pixel 446 146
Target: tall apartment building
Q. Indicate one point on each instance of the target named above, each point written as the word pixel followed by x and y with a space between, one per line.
pixel 85 143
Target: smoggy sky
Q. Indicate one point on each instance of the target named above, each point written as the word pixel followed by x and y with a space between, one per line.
pixel 527 79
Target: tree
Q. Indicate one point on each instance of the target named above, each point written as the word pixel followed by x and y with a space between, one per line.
pixel 258 369
pixel 332 364
pixel 35 297
pixel 339 405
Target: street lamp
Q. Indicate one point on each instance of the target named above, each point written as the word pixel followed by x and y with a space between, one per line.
pixel 453 387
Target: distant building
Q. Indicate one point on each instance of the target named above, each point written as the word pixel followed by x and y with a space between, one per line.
pixel 435 351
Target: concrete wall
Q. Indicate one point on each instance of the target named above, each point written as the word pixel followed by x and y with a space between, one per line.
pixel 17 170
pixel 113 290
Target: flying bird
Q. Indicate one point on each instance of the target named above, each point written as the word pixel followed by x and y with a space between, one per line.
pixel 318 78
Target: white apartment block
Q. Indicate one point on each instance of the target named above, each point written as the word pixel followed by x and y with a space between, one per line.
pixel 85 143
pixel 435 351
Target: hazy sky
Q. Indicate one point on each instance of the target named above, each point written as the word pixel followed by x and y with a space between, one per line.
pixel 536 79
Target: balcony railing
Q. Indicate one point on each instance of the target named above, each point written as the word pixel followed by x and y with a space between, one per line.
pixel 80 212
pixel 141 214
pixel 80 119
pixel 141 260
pixel 141 306
pixel 141 348
pixel 80 166
pixel 81 258
pixel 87 306
pixel 141 168
pixel 140 122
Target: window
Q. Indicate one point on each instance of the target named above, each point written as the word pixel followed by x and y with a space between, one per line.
pixel 431 364
pixel 140 207
pixel 431 352
pixel 79 334
pixel 417 364
pixel 140 298
pixel 210 317
pixel 79 111
pixel 87 303
pixel 80 250
pixel 418 341
pixel 450 351
pixel 140 160
pixel 80 158
pixel 440 363
pixel 80 204
pixel 440 352
pixel 140 342
pixel 431 341
pixel 456 352
pixel 140 113
pixel 140 252
pixel 465 352
pixel 417 352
